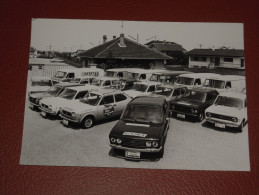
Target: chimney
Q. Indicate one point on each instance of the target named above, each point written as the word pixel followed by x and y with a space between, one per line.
pixel 104 38
pixel 114 37
pixel 122 40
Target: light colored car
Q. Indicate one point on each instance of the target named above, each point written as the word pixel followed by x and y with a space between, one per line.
pixel 228 110
pixel 107 82
pixel 39 84
pixel 97 105
pixel 142 88
pixel 51 106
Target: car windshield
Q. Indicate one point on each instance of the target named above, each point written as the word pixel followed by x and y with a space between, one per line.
pixel 60 74
pixel 229 101
pixel 214 83
pixel 138 113
pixel 185 80
pixel 68 94
pixel 163 91
pixel 91 98
pixel 110 74
pixel 97 82
pixel 140 87
pixel 41 83
pixel 54 90
pixel 196 96
pixel 154 77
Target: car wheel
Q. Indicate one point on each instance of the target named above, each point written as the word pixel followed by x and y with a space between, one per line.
pixel 240 128
pixel 88 122
pixel 200 117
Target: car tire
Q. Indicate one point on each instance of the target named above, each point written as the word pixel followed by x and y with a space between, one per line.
pixel 88 122
pixel 240 128
pixel 200 116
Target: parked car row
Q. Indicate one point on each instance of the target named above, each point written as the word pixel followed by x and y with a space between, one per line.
pixel 144 107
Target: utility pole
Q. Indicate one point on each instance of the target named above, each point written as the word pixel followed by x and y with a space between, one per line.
pixel 200 45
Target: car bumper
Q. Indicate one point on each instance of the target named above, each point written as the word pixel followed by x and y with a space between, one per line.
pixel 187 114
pixel 69 119
pixel 227 123
pixel 48 111
pixel 136 149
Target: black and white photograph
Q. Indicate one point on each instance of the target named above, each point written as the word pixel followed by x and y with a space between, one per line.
pixel 136 94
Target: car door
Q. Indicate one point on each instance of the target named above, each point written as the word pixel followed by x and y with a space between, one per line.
pixel 121 100
pixel 106 107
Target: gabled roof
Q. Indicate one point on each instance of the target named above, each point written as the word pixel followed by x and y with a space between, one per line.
pixel 133 50
pixel 217 52
pixel 169 47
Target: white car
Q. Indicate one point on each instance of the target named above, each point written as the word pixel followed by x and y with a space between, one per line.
pixel 228 110
pixel 51 106
pixel 39 84
pixel 98 104
pixel 142 88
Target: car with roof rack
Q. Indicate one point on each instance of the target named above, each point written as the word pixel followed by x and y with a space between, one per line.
pixel 228 110
pixel 51 106
pixel 39 84
pixel 96 105
pixel 54 91
pixel 141 132
pixel 194 103
pixel 107 82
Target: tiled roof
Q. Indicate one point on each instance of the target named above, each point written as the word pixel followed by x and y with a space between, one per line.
pixel 133 50
pixel 217 52
pixel 168 47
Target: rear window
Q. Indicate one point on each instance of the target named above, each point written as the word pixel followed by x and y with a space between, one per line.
pixel 120 97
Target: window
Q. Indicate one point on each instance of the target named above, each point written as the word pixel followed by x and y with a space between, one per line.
pixel 151 88
pixel 199 59
pixel 81 94
pixel 197 82
pixel 203 59
pixel 183 91
pixel 70 75
pixel 84 81
pixel 228 85
pixel 120 97
pixel 142 76
pixel 228 59
pixel 176 92
pixel 107 83
pixel 107 100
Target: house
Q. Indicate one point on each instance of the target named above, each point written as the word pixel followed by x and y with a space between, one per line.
pixel 174 50
pixel 33 52
pixel 123 52
pixel 223 58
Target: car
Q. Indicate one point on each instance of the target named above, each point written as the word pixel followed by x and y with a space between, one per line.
pixel 54 91
pixel 228 110
pixel 142 88
pixel 170 92
pixel 51 106
pixel 194 103
pixel 39 84
pixel 107 82
pixel 96 105
pixel 141 132
pixel 82 80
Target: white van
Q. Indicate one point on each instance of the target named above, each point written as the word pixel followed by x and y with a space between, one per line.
pixel 194 79
pixel 223 83
pixel 66 75
pixel 117 73
pixel 139 74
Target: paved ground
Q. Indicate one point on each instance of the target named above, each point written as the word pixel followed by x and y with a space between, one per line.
pixel 189 145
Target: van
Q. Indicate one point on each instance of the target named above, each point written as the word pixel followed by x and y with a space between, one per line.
pixel 223 83
pixel 142 74
pixel 168 76
pixel 193 79
pixel 65 75
pixel 117 72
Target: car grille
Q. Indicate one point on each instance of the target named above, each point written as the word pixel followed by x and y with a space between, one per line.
pixel 133 143
pixel 182 109
pixel 33 100
pixel 45 106
pixel 66 113
pixel 223 117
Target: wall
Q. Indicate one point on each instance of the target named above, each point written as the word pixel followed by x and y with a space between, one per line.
pixel 235 64
pixel 199 63
pixel 157 65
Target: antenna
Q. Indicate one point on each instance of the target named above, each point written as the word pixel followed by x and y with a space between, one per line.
pixel 200 45
pixel 121 26
pixel 135 39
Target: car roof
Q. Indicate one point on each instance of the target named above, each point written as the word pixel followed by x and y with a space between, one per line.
pixel 82 88
pixel 202 89
pixel 148 82
pixel 148 101
pixel 199 75
pixel 172 86
pixel 234 95
pixel 118 69
pixel 67 84
pixel 79 69
pixel 107 78
pixel 147 71
pixel 105 91
pixel 172 72
pixel 227 77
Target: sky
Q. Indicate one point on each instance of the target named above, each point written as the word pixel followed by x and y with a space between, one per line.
pixel 71 35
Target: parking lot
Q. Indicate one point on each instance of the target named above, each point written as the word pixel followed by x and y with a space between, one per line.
pixel 189 145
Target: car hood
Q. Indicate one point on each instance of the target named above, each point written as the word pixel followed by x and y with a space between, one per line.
pixel 56 101
pixel 136 130
pixel 40 95
pixel 188 103
pixel 133 93
pixel 223 110
pixel 78 107
pixel 34 89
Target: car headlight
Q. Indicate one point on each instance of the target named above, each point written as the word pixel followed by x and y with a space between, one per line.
pixel 37 101
pixel 234 119
pixel 118 141
pixel 113 140
pixel 155 144
pixel 208 114
pixel 50 107
pixel 73 114
pixel 148 144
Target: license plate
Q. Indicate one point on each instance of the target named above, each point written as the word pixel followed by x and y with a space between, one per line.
pixel 31 106
pixel 180 115
pixel 43 113
pixel 65 122
pixel 132 154
pixel 220 125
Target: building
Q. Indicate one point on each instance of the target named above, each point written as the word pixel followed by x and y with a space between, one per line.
pixel 174 50
pixel 33 53
pixel 123 52
pixel 224 58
